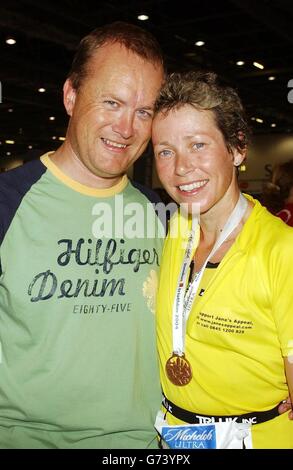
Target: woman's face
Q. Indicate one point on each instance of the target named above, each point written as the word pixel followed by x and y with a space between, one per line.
pixel 192 159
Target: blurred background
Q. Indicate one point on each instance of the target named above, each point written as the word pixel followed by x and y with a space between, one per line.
pixel 249 43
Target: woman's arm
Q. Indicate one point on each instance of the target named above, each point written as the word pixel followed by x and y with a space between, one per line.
pixel 288 362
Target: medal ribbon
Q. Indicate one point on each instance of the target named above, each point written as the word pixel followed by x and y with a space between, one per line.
pixel 183 303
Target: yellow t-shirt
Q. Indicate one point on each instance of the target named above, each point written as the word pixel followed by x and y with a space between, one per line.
pixel 238 331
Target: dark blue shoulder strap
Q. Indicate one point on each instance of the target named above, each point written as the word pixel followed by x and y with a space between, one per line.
pixel 149 193
pixel 14 184
pixel 154 198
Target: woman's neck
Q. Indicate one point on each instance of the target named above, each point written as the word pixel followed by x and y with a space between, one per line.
pixel 213 221
pixel 211 227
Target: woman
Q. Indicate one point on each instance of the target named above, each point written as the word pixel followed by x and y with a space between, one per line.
pixel 225 301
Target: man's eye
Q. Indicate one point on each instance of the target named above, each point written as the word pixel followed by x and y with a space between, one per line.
pixel 111 103
pixel 144 114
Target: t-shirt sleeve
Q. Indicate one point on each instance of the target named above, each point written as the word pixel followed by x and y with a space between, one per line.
pixel 282 290
pixel 3 210
pixel 3 215
pixel 14 184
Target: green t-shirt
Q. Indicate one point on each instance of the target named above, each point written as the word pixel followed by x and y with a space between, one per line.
pixel 78 365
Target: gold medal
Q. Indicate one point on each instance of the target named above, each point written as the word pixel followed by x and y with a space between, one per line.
pixel 178 370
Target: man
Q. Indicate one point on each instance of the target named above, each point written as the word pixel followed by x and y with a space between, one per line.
pixel 78 366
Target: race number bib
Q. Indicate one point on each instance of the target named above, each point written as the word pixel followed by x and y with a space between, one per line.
pixel 224 435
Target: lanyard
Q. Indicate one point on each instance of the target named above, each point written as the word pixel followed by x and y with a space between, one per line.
pixel 183 303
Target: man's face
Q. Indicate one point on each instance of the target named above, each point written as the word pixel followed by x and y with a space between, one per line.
pixel 112 111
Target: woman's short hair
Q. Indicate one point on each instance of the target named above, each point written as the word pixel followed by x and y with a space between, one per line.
pixel 204 91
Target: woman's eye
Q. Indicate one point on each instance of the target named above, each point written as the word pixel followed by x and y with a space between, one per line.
pixel 165 153
pixel 198 145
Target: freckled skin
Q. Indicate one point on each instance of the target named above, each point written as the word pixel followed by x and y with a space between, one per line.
pixel 190 148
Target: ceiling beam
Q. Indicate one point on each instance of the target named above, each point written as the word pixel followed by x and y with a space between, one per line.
pixel 265 13
pixel 46 32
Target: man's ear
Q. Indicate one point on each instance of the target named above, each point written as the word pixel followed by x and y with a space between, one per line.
pixel 69 95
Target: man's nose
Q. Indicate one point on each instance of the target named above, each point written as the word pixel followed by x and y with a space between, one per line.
pixel 124 125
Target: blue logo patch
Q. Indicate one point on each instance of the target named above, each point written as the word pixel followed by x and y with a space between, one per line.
pixel 190 437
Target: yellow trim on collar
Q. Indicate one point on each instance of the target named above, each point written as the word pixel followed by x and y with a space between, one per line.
pixel 81 188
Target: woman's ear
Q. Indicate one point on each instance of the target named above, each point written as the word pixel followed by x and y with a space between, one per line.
pixel 239 156
pixel 69 95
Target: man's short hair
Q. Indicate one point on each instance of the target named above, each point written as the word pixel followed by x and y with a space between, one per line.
pixel 133 38
pixel 204 91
